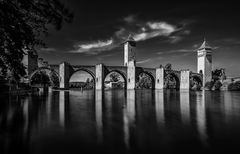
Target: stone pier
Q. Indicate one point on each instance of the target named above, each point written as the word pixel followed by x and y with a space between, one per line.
pixel 64 75
pixel 99 77
pixel 185 80
pixel 131 75
pixel 159 78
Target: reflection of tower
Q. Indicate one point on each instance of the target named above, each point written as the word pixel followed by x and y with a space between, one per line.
pixel 129 116
pixel 159 106
pixel 201 117
pixel 185 107
pixel 30 61
pixel 98 113
pixel 205 61
pixel 63 100
pixel 129 47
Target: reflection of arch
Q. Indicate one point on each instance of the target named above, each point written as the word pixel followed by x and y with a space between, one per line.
pixel 120 73
pixel 150 75
pixel 48 74
pixel 175 76
pixel 84 70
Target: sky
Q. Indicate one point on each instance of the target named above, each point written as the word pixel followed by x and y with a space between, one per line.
pixel 166 32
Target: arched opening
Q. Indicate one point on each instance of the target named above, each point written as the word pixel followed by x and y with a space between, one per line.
pixel 171 81
pixel 115 80
pixel 145 80
pixel 82 79
pixel 195 83
pixel 44 77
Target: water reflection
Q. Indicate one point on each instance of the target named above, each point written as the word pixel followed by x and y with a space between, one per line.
pixel 159 106
pixel 201 117
pixel 119 122
pixel 129 116
pixel 185 107
pixel 63 97
pixel 98 114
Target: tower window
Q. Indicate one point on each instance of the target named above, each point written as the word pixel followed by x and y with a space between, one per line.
pixel 157 80
pixel 129 80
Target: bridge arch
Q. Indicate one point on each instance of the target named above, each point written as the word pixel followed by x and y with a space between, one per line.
pixel 48 71
pixel 122 74
pixel 150 75
pixel 83 70
pixel 175 76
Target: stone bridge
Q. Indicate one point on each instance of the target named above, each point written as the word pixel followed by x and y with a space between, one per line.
pixel 129 71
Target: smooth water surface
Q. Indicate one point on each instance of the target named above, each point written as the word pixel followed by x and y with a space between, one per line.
pixel 119 121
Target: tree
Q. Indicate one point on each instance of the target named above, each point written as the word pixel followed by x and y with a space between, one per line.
pixel 144 82
pixel 235 86
pixel 218 74
pixel 170 82
pixel 114 77
pixel 217 85
pixel 22 24
pixel 168 66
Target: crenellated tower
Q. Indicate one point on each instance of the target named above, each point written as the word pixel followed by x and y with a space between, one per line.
pixel 205 61
pixel 129 50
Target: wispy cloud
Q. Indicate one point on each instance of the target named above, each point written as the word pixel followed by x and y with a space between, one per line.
pixel 143 61
pixel 93 48
pixel 141 31
pixel 144 30
pixel 176 51
pixel 130 18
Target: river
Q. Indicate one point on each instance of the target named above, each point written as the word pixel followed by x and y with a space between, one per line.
pixel 118 121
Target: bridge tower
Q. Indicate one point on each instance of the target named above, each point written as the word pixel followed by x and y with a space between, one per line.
pixel 30 61
pixel 129 47
pixel 205 61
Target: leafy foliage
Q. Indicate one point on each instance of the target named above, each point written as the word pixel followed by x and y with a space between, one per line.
pixel 218 74
pixel 170 82
pixel 144 82
pixel 234 86
pixel 114 77
pixel 168 66
pixel 22 24
pixel 217 85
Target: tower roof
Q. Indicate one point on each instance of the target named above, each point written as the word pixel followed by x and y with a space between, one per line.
pixel 205 45
pixel 131 40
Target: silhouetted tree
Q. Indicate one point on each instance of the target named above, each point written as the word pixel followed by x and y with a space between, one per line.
pixel 144 81
pixel 22 24
pixel 168 66
pixel 218 74
pixel 235 86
